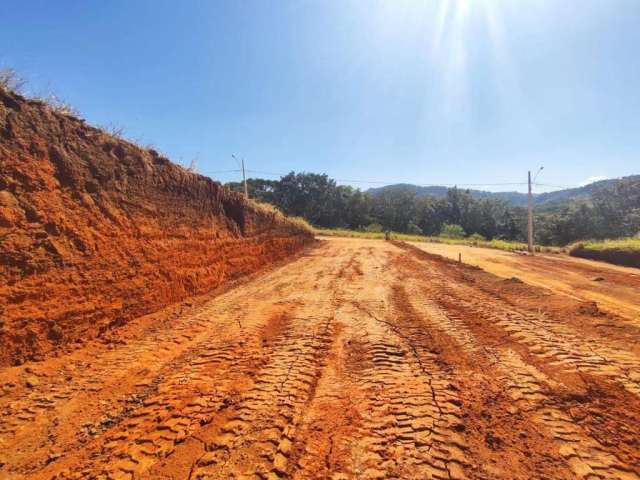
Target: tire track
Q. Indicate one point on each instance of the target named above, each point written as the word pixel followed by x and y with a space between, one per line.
pixel 528 387
pixel 404 420
pixel 357 361
pixel 153 412
pixel 258 440
pixel 553 342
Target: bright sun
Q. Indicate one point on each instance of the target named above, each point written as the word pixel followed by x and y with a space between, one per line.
pixel 448 31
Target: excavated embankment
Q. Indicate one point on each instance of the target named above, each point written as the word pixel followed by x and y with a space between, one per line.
pixel 612 255
pixel 95 231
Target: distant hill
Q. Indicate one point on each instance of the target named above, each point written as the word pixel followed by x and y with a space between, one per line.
pixel 515 198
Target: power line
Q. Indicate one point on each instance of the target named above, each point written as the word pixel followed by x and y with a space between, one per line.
pixel 219 171
pixel 392 182
pixel 556 186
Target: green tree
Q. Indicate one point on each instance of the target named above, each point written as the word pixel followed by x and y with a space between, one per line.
pixel 451 230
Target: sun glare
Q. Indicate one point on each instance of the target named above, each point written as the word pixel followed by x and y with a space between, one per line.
pixel 452 36
pixel 451 33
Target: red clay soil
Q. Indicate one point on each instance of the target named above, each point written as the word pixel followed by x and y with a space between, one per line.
pixel 95 231
pixel 359 359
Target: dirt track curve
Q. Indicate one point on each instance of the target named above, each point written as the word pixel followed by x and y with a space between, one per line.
pixel 358 359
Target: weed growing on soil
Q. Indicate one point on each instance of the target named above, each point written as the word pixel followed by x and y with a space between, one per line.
pixel 58 105
pixel 10 80
pixel 626 244
pixel 622 251
pixel 473 242
pixel 298 223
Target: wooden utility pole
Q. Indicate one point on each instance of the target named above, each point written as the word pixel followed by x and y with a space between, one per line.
pixel 244 179
pixel 530 222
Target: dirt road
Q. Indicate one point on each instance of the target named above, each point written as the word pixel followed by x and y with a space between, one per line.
pixel 615 288
pixel 358 359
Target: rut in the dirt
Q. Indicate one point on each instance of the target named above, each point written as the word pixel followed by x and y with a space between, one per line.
pixel 360 359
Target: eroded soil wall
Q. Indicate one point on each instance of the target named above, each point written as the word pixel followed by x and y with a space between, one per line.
pixel 618 257
pixel 95 231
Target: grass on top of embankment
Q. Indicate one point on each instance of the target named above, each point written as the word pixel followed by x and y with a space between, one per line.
pixel 297 223
pixel 496 244
pixel 623 244
pixel 623 251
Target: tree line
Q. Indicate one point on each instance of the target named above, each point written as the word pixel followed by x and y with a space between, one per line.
pixel 609 213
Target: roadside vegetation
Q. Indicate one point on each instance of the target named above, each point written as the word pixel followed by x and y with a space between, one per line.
pixel 298 223
pixel 624 244
pixel 12 81
pixel 623 251
pixel 472 241
pixel 608 212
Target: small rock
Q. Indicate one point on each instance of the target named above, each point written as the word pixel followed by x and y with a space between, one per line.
pixel 32 382
pixel 459 427
pixel 597 279
pixel 512 280
pixel 209 458
pixel 285 446
pixel 53 457
pixel 280 463
pixel 55 333
pixel 589 308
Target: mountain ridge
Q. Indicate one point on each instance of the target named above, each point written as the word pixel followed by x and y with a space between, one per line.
pixel 513 197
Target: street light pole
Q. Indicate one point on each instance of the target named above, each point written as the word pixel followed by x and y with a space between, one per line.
pixel 530 220
pixel 244 177
pixel 530 209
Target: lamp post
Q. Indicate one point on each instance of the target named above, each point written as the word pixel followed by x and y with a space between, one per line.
pixel 530 220
pixel 244 178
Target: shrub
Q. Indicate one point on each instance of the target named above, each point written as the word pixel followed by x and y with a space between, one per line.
pixel 301 224
pixel 114 131
pixel 374 228
pixel 452 231
pixel 414 229
pixel 297 223
pixel 476 237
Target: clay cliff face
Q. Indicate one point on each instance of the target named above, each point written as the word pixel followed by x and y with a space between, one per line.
pixel 95 231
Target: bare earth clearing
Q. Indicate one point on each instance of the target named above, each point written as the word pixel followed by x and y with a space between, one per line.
pixel 615 288
pixel 358 359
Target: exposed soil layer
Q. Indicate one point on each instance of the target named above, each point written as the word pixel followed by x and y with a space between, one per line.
pixel 95 231
pixel 360 359
pixel 611 255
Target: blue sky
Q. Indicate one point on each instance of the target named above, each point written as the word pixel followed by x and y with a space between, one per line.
pixel 432 91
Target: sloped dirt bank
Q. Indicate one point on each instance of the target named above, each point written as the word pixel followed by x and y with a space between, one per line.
pixel 95 231
pixel 612 255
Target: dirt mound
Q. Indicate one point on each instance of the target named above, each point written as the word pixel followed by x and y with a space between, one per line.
pixel 95 231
